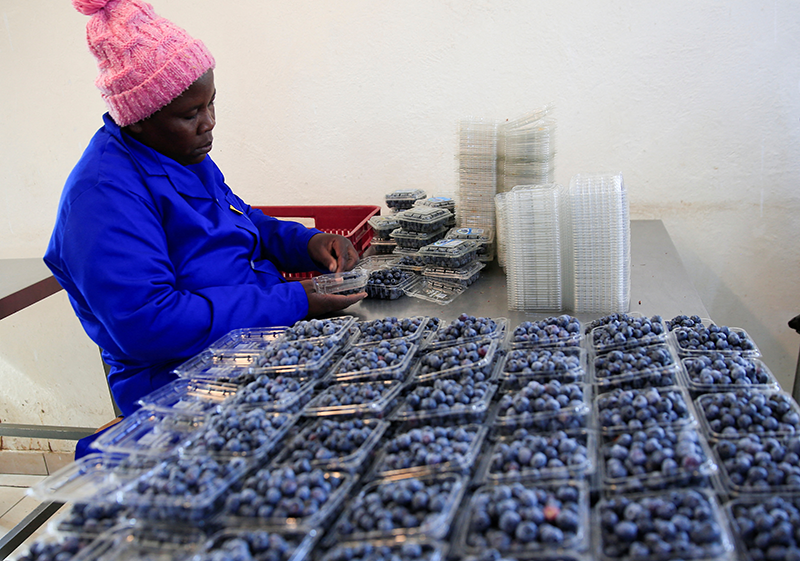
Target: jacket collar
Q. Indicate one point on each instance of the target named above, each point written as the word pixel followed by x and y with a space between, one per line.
pixel 153 163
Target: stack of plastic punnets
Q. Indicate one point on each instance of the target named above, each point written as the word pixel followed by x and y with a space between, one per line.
pixel 526 150
pixel 477 174
pixel 596 244
pixel 531 224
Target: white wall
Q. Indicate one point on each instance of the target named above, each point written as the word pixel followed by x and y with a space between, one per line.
pixel 697 103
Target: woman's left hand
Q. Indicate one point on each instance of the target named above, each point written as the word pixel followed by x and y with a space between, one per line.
pixel 332 252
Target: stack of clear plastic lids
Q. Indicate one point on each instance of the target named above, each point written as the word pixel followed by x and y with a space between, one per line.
pixel 477 173
pixel 596 244
pixel 531 216
pixel 526 151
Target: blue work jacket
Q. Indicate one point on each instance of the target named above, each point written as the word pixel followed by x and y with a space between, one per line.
pixel 160 260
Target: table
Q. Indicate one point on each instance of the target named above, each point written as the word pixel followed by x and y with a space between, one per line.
pixel 659 285
pixel 23 283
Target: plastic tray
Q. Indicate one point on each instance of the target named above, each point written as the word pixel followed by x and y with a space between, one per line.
pixel 627 332
pixel 52 545
pixel 303 360
pixel 239 432
pixel 420 411
pixel 609 512
pixel 423 219
pixel 718 372
pixel 350 221
pixel 750 536
pixel 546 363
pixel 432 290
pixel 246 340
pixel 535 456
pixel 702 339
pixel 433 522
pixel 319 329
pixel 382 226
pixel 89 519
pixel 145 541
pixel 514 397
pixel 348 282
pixel 240 510
pixel 408 550
pixel 274 393
pixel 774 400
pixel 611 418
pixel 414 450
pixel 449 253
pixel 382 247
pixel 415 240
pixel 368 399
pixel 188 395
pixel 391 328
pixel 400 199
pixel 409 260
pixel 639 367
pixel 553 331
pixel 475 359
pixel 447 203
pixel 319 445
pixel 755 466
pixel 260 544
pixel 692 461
pixel 150 433
pixel 396 368
pixel 386 291
pixel 464 276
pixel 224 368
pixel 480 527
pixel 452 333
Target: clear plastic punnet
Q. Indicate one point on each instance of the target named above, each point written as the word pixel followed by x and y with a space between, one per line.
pixel 466 328
pixel 445 400
pixel 246 340
pixel 462 276
pixel 743 412
pixel 709 538
pixel 508 518
pixel 626 410
pixel 52 545
pixel 628 331
pixel 409 260
pixel 635 368
pixel 758 466
pixel 708 337
pixel 385 497
pixel 473 359
pixel 401 199
pixel 542 406
pixel 434 290
pixel 447 203
pixel 424 219
pixel 552 331
pixel 367 399
pixel 407 239
pixel 300 359
pixel 407 550
pixel 150 433
pixel 383 247
pixel 754 541
pixel 274 393
pixel 188 395
pixel 271 498
pixel 566 364
pixel 416 450
pixel 382 226
pixel 390 328
pixel 716 372
pixel 315 329
pixel 347 282
pixel 145 541
pixel 385 360
pixel 666 458
pixel 256 543
pixel 535 456
pixel 389 283
pixel 332 444
pixel 235 368
pixel 449 253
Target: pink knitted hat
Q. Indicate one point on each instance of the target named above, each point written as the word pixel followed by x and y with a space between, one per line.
pixel 145 61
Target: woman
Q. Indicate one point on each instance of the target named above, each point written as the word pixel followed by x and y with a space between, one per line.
pixel 158 256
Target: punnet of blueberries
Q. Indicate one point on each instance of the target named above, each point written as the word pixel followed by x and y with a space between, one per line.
pixel 333 444
pixel 656 458
pixel 628 331
pixel 714 338
pixel 636 368
pixel 410 328
pixel 467 326
pixel 370 398
pixel 625 410
pixel 533 455
pixel 546 407
pixel 521 518
pixel 388 283
pixel 275 393
pixel 380 551
pixel 768 528
pixel 675 524
pixel 472 359
pixel 50 548
pixel 749 411
pixel 419 505
pixel 423 218
pixel 299 359
pixel 562 331
pixel 718 370
pixel 314 328
pixel 249 545
pixel 280 496
pixel 239 431
pixel 461 398
pixel 548 363
pixel 407 239
pixel 430 448
pixel 756 465
pixel 449 253
pixel 389 359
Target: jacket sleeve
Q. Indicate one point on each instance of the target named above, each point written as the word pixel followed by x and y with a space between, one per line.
pixel 118 257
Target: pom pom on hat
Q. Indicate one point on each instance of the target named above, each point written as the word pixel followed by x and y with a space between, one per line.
pixel 145 61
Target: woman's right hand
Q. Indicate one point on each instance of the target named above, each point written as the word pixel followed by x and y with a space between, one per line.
pixel 321 304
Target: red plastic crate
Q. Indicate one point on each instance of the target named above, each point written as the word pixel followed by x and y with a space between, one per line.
pixel 351 221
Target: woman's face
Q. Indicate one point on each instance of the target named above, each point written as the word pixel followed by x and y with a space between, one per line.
pixel 182 129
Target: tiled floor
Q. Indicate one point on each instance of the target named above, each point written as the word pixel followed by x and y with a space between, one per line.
pixel 18 472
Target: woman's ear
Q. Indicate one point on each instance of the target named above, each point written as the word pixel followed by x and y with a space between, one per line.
pixel 135 128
